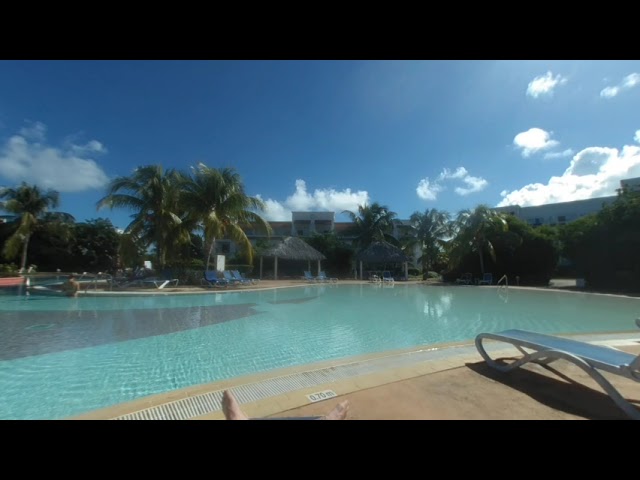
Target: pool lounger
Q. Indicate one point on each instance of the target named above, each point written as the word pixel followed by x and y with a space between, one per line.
pixel 159 284
pixel 590 358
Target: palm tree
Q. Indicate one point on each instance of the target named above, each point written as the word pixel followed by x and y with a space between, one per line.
pixel 372 223
pixel 30 203
pixel 429 231
pixel 473 228
pixel 154 196
pixel 216 202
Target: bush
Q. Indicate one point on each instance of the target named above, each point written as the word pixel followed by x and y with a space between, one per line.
pixel 431 275
pixel 8 268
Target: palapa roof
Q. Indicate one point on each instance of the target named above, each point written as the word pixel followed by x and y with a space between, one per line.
pixel 382 252
pixel 293 248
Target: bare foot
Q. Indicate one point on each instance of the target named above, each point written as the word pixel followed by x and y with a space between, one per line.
pixel 339 412
pixel 230 407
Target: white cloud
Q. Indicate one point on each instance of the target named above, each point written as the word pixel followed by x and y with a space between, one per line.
pixel 93 146
pixel 566 153
pixel 533 140
pixel 627 82
pixel 36 131
pixel 327 199
pixel 475 184
pixel 544 85
pixel 27 157
pixel 275 211
pixel 428 190
pixel 637 136
pixel 593 172
pixel 460 172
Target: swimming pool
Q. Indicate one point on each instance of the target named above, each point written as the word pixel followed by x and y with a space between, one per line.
pixel 63 356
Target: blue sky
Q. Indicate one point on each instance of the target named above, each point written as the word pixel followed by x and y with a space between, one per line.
pixel 327 135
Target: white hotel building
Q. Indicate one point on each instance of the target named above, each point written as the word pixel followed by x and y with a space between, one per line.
pixel 564 212
pixel 305 224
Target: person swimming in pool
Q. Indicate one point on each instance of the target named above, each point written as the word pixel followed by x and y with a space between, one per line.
pixel 71 287
pixel 232 411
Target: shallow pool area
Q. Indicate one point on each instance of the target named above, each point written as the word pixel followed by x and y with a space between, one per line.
pixel 63 356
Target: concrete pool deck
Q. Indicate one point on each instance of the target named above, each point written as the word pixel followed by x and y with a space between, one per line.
pixel 448 381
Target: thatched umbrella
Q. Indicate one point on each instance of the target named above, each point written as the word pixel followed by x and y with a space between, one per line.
pixel 291 248
pixel 383 252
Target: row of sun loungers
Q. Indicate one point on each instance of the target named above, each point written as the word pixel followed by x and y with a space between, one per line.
pixel 322 277
pixel 213 279
pixel 385 278
pixel 467 279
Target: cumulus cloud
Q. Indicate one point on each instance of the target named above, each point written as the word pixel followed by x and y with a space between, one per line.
pixel 543 85
pixel 533 140
pixel 637 136
pixel 327 199
pixel 428 190
pixel 93 146
pixel 566 153
pixel 27 157
pixel 627 82
pixel 474 184
pixel 35 131
pixel 460 172
pixel 592 172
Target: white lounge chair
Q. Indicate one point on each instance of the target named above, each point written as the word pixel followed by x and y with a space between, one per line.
pixel 590 358
pixel 160 283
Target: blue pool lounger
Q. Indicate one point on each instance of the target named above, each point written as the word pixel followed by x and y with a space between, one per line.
pixel 591 358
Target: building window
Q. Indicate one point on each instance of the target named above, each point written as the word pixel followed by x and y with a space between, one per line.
pixel 562 218
pixel 300 233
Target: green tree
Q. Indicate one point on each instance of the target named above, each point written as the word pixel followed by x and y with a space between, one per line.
pixel 430 231
pixel 216 202
pixel 96 245
pixel 371 223
pixel 338 253
pixel 30 203
pixel 473 228
pixel 154 197
pixel 51 242
pixel 130 251
pixel 604 246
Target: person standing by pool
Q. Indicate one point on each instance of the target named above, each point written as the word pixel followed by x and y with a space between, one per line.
pixel 71 287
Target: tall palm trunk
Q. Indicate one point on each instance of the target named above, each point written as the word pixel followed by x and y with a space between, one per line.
pixel 211 249
pixel 481 260
pixel 23 261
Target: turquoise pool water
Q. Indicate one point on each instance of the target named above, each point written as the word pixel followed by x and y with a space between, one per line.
pixel 63 356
